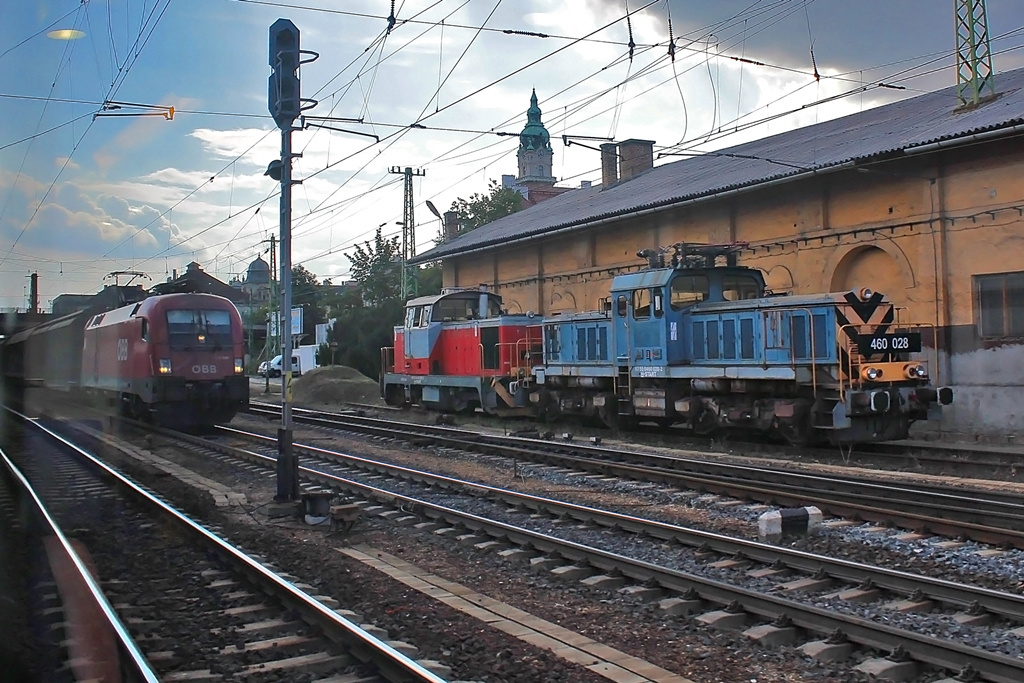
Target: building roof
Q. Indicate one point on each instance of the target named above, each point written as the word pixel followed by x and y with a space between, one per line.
pixel 887 131
pixel 194 279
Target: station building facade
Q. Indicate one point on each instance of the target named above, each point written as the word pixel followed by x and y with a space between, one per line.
pixel 916 199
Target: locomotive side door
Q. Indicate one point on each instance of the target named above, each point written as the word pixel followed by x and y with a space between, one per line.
pixel 648 327
pixel 622 331
pixel 777 337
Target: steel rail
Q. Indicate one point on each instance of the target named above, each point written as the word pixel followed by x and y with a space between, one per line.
pixel 1002 521
pixel 961 595
pixel 132 663
pixel 683 459
pixel 393 665
pixel 991 666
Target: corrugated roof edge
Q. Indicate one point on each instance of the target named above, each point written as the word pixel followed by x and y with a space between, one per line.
pixel 895 122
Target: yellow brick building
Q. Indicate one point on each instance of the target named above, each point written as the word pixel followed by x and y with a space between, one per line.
pixel 915 199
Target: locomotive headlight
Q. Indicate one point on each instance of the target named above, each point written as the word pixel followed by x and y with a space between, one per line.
pixel 915 371
pixel 165 366
pixel 238 366
pixel 871 374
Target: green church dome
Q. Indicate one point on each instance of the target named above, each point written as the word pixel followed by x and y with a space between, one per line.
pixel 534 135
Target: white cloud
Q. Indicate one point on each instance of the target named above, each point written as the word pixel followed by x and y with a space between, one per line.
pixel 153 176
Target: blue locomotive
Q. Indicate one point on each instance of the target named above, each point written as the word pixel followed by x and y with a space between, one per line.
pixel 697 343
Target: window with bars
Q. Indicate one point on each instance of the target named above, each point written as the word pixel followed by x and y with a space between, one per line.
pixel 999 304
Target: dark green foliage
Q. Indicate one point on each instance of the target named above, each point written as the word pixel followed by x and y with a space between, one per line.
pixel 361 332
pixel 429 279
pixel 378 269
pixel 366 315
pixel 482 209
pixel 307 293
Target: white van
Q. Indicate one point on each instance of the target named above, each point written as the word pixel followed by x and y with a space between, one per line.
pixel 303 358
pixel 274 369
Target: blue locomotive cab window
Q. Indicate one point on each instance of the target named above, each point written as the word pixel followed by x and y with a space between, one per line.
pixel 740 287
pixel 189 329
pixel 620 306
pixel 411 315
pixel 641 304
pixel 688 290
pixel 658 303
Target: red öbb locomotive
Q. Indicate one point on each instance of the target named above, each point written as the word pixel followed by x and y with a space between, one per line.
pixel 175 359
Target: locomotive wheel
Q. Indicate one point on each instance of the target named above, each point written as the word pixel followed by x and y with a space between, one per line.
pixel 706 423
pixel 620 423
pixel 796 433
pixel 547 413
pixel 801 432
pixel 608 417
pixel 394 396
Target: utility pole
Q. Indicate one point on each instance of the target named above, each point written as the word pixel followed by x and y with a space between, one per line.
pixel 285 104
pixel 270 342
pixel 410 287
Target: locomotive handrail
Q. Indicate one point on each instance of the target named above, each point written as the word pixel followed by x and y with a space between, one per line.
pixel 520 348
pixel 931 358
pixel 813 358
pixel 792 351
pixel 387 358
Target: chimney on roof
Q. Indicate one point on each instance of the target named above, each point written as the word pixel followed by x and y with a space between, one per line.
pixel 451 225
pixel 635 157
pixel 609 164
pixel 33 293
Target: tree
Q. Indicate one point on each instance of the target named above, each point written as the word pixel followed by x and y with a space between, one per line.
pixel 482 209
pixel 378 269
pixel 308 294
pixel 428 279
pixel 365 317
pixel 361 333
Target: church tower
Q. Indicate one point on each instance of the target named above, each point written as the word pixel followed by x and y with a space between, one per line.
pixel 535 153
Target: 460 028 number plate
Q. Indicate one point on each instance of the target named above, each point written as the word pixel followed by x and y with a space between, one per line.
pixel 900 342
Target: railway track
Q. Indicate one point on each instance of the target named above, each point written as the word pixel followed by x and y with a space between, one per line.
pixel 986 516
pixel 191 604
pixel 778 595
pixel 980 460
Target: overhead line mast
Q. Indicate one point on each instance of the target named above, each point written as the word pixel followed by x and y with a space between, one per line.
pixel 975 80
pixel 410 286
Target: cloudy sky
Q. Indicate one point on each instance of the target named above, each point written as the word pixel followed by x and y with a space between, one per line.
pixel 82 196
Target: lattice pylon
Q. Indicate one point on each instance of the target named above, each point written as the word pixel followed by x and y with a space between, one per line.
pixel 975 80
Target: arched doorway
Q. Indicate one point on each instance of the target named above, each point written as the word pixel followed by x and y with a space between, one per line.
pixel 872 267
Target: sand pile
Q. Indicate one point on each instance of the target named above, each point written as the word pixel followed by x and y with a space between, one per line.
pixel 335 384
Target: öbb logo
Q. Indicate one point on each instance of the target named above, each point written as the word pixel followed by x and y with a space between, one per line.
pixel 198 369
